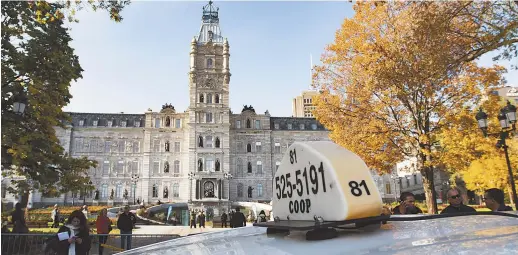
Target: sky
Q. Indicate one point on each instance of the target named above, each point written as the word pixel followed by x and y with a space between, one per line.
pixel 143 61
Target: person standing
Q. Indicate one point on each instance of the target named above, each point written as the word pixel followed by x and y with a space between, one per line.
pixel 18 220
pixel 238 219
pixel 104 227
pixel 85 211
pixel 125 223
pixel 456 205
pixel 224 220
pixel 193 219
pixel 78 241
pixel 54 215
pixel 231 215
pixel 201 220
pixel 494 199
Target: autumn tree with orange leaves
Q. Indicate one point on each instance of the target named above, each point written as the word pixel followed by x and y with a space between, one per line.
pixel 397 78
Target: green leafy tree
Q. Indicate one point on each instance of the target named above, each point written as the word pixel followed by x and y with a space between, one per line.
pixel 38 66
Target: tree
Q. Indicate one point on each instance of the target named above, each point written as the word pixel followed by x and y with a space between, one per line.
pixel 38 66
pixel 394 76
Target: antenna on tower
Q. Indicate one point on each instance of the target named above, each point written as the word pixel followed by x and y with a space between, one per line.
pixel 311 72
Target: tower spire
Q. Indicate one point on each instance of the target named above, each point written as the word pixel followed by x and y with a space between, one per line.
pixel 210 31
pixel 310 71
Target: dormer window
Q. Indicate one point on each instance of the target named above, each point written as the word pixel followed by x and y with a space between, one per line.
pixel 110 123
pixel 95 122
pixel 123 123
pixel 136 123
pixel 81 123
pixel 209 63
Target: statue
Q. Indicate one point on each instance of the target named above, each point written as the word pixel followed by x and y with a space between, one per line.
pixel 200 165
pixel 217 164
pixel 112 195
pixel 248 108
pixel 167 146
pixel 217 142
pixel 166 192
pixel 125 194
pixel 250 191
pixel 217 99
pixel 167 122
pixel 249 167
pixel 200 141
pixel 96 197
pixel 166 167
pixel 166 106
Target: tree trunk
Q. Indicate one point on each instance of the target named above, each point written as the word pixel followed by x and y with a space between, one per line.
pixel 429 190
pixel 510 193
pixel 25 199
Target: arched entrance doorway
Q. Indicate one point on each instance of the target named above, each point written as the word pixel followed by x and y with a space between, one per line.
pixel 208 189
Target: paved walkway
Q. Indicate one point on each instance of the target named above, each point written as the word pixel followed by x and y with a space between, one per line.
pixel 178 230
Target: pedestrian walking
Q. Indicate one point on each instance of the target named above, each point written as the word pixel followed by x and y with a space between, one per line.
pixel 224 220
pixel 238 219
pixel 74 236
pixel 125 223
pixel 55 216
pixel 201 220
pixel 193 219
pixel 103 224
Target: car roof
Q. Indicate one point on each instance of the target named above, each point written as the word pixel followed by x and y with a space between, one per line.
pixel 478 234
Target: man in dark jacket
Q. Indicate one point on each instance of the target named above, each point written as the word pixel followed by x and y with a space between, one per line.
pixel 224 220
pixel 494 199
pixel 125 224
pixel 201 220
pixel 456 205
pixel 238 219
pixel 193 219
pixel 407 205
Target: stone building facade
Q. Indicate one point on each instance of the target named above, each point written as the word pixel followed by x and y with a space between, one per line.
pixel 205 157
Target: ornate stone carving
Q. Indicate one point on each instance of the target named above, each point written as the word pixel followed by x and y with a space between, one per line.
pixel 210 81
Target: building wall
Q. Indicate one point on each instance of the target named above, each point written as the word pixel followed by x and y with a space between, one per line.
pixel 303 105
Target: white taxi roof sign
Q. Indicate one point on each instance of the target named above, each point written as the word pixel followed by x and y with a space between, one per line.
pixel 324 180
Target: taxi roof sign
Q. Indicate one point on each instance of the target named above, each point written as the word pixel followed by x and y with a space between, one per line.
pixel 324 180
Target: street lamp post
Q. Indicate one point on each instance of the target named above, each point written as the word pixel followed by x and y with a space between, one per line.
pixel 134 180
pixel 191 176
pixel 507 119
pixel 84 195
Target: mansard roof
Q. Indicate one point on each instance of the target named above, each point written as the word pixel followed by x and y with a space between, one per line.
pixel 132 120
pixel 310 124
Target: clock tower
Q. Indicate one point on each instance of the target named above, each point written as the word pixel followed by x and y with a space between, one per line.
pixel 209 111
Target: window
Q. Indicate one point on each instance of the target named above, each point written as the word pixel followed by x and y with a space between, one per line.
pixel 289 126
pixel 106 167
pixel 209 165
pixel 201 98
pixel 176 146
pixel 257 124
pixel 166 146
pixel 276 125
pixel 301 126
pixel 259 167
pixel 110 123
pixel 120 167
pixel 136 146
pixel 277 164
pixel 388 190
pixel 238 124
pixel 239 166
pixel 258 147
pixel 156 167
pixel 407 181
pixel 157 123
pixel 208 117
pixel 167 121
pixel 136 123
pixel 259 190
pixel 166 167
pixel 239 146
pixel 217 142
pixel 209 63
pixel 95 122
pixel 104 191
pixel 216 100
pixel 248 125
pixel 314 126
pixel 176 167
pixel 123 123
pixel 134 167
pixel 277 148
pixel 93 145
pixel 249 169
pixel 209 98
pixel 81 123
pixel 155 190
pixel 176 190
pixel 415 179
pixel 240 190
pixel 178 123
pixel 122 146
pixel 118 191
pixel 208 141
pixel 248 148
pixel 156 145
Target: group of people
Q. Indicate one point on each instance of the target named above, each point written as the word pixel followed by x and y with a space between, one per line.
pixel 237 219
pixel 493 198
